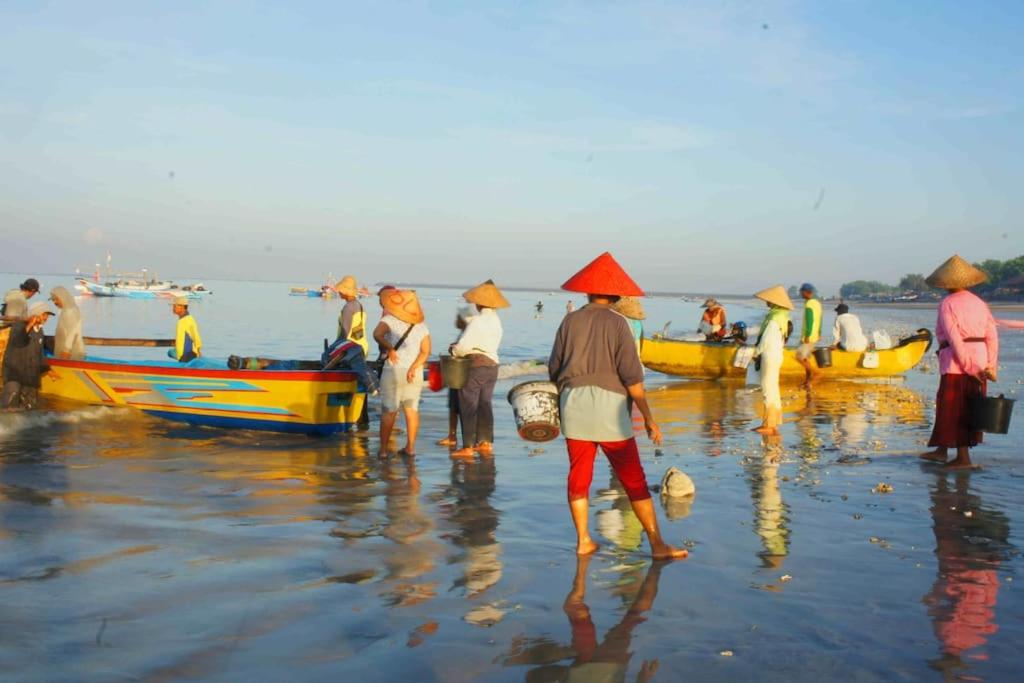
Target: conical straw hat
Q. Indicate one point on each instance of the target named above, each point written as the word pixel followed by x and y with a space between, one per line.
pixel 603 275
pixel 956 273
pixel 630 307
pixel 403 304
pixel 776 295
pixel 347 286
pixel 486 294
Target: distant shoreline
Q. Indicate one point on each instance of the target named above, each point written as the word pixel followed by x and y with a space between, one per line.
pixel 1015 307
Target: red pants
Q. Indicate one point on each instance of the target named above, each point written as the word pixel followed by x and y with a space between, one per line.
pixel 953 412
pixel 624 458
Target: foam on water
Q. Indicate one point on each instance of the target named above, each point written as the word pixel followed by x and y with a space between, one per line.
pixel 12 423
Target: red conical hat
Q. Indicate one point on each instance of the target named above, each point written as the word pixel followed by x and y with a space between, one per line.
pixel 603 275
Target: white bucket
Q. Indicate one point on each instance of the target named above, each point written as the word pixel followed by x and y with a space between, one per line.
pixel 535 405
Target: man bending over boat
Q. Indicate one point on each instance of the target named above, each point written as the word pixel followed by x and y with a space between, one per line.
pixel 187 342
pixel 23 364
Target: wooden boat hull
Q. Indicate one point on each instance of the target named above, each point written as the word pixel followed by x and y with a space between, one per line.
pixel 96 289
pixel 306 402
pixel 709 360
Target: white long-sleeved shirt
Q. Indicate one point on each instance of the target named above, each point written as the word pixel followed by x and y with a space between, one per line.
pixel 482 335
pixel 847 332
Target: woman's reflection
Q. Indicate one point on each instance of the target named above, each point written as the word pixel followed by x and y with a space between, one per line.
pixel 770 513
pixel 469 509
pixel 970 543
pixel 607 660
pixel 409 528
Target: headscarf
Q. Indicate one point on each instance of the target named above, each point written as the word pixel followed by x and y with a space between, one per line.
pixel 68 340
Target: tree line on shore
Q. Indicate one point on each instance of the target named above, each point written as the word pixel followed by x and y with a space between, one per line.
pixel 1005 281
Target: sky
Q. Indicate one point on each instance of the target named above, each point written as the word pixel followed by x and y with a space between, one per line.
pixel 710 146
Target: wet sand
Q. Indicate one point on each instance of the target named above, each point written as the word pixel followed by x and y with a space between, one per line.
pixel 137 549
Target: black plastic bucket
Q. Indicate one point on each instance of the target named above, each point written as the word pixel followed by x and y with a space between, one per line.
pixel 455 371
pixel 823 356
pixel 991 414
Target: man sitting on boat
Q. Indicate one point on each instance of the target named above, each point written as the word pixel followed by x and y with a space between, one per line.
pixel 737 333
pixel 847 333
pixel 712 323
pixel 187 342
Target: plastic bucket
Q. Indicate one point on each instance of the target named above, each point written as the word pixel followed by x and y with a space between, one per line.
pixel 991 414
pixel 434 379
pixel 455 371
pixel 535 406
pixel 823 357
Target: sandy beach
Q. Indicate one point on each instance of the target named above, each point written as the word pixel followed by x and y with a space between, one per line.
pixel 138 549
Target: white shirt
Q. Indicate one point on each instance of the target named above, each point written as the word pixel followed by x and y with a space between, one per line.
pixel 411 346
pixel 482 335
pixel 847 332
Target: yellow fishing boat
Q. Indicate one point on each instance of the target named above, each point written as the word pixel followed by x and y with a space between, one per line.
pixel 285 400
pixel 715 360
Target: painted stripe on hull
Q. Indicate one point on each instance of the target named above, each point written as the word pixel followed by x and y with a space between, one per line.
pixel 247 423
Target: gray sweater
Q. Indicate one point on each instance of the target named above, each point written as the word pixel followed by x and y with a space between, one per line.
pixel 594 347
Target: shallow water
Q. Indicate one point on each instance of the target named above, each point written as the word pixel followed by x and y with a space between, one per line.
pixel 137 549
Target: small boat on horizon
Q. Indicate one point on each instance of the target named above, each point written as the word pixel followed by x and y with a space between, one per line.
pixel 136 291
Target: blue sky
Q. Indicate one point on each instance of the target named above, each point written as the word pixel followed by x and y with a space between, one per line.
pixel 449 142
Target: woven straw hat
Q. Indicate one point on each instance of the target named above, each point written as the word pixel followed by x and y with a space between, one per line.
pixel 403 304
pixel 710 303
pixel 603 275
pixel 347 286
pixel 776 295
pixel 181 301
pixel 956 273
pixel 486 294
pixel 630 307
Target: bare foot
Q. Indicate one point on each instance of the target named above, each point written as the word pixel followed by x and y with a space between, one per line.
pixel 586 547
pixel 667 552
pixel 407 452
pixel 466 452
pixel 448 441
pixel 935 456
pixel 383 454
pixel 765 429
pixel 960 465
pixel 485 447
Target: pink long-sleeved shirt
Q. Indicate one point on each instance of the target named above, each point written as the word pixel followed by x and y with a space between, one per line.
pixel 962 315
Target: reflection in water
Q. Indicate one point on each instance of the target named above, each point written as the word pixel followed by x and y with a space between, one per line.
pixel 712 408
pixel 468 507
pixel 970 543
pixel 770 513
pixel 607 660
pixel 408 527
pixel 618 523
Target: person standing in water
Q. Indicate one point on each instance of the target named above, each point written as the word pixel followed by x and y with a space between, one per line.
pixel 405 339
pixel 810 332
pixel 968 358
pixel 768 351
pixel 479 342
pixel 462 317
pixel 188 344
pixel 24 363
pixel 598 373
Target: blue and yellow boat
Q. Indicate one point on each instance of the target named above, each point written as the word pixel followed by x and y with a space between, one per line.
pixel 298 401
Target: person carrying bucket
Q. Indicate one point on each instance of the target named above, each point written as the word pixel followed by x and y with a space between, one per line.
pixel 598 373
pixel 968 358
pixel 479 343
pixel 462 317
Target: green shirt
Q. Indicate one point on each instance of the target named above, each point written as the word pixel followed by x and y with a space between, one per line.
pixel 812 321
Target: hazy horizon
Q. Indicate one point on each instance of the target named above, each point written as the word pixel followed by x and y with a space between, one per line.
pixel 711 146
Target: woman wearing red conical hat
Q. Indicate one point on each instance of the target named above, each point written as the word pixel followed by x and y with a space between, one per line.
pixel 599 375
pixel 968 358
